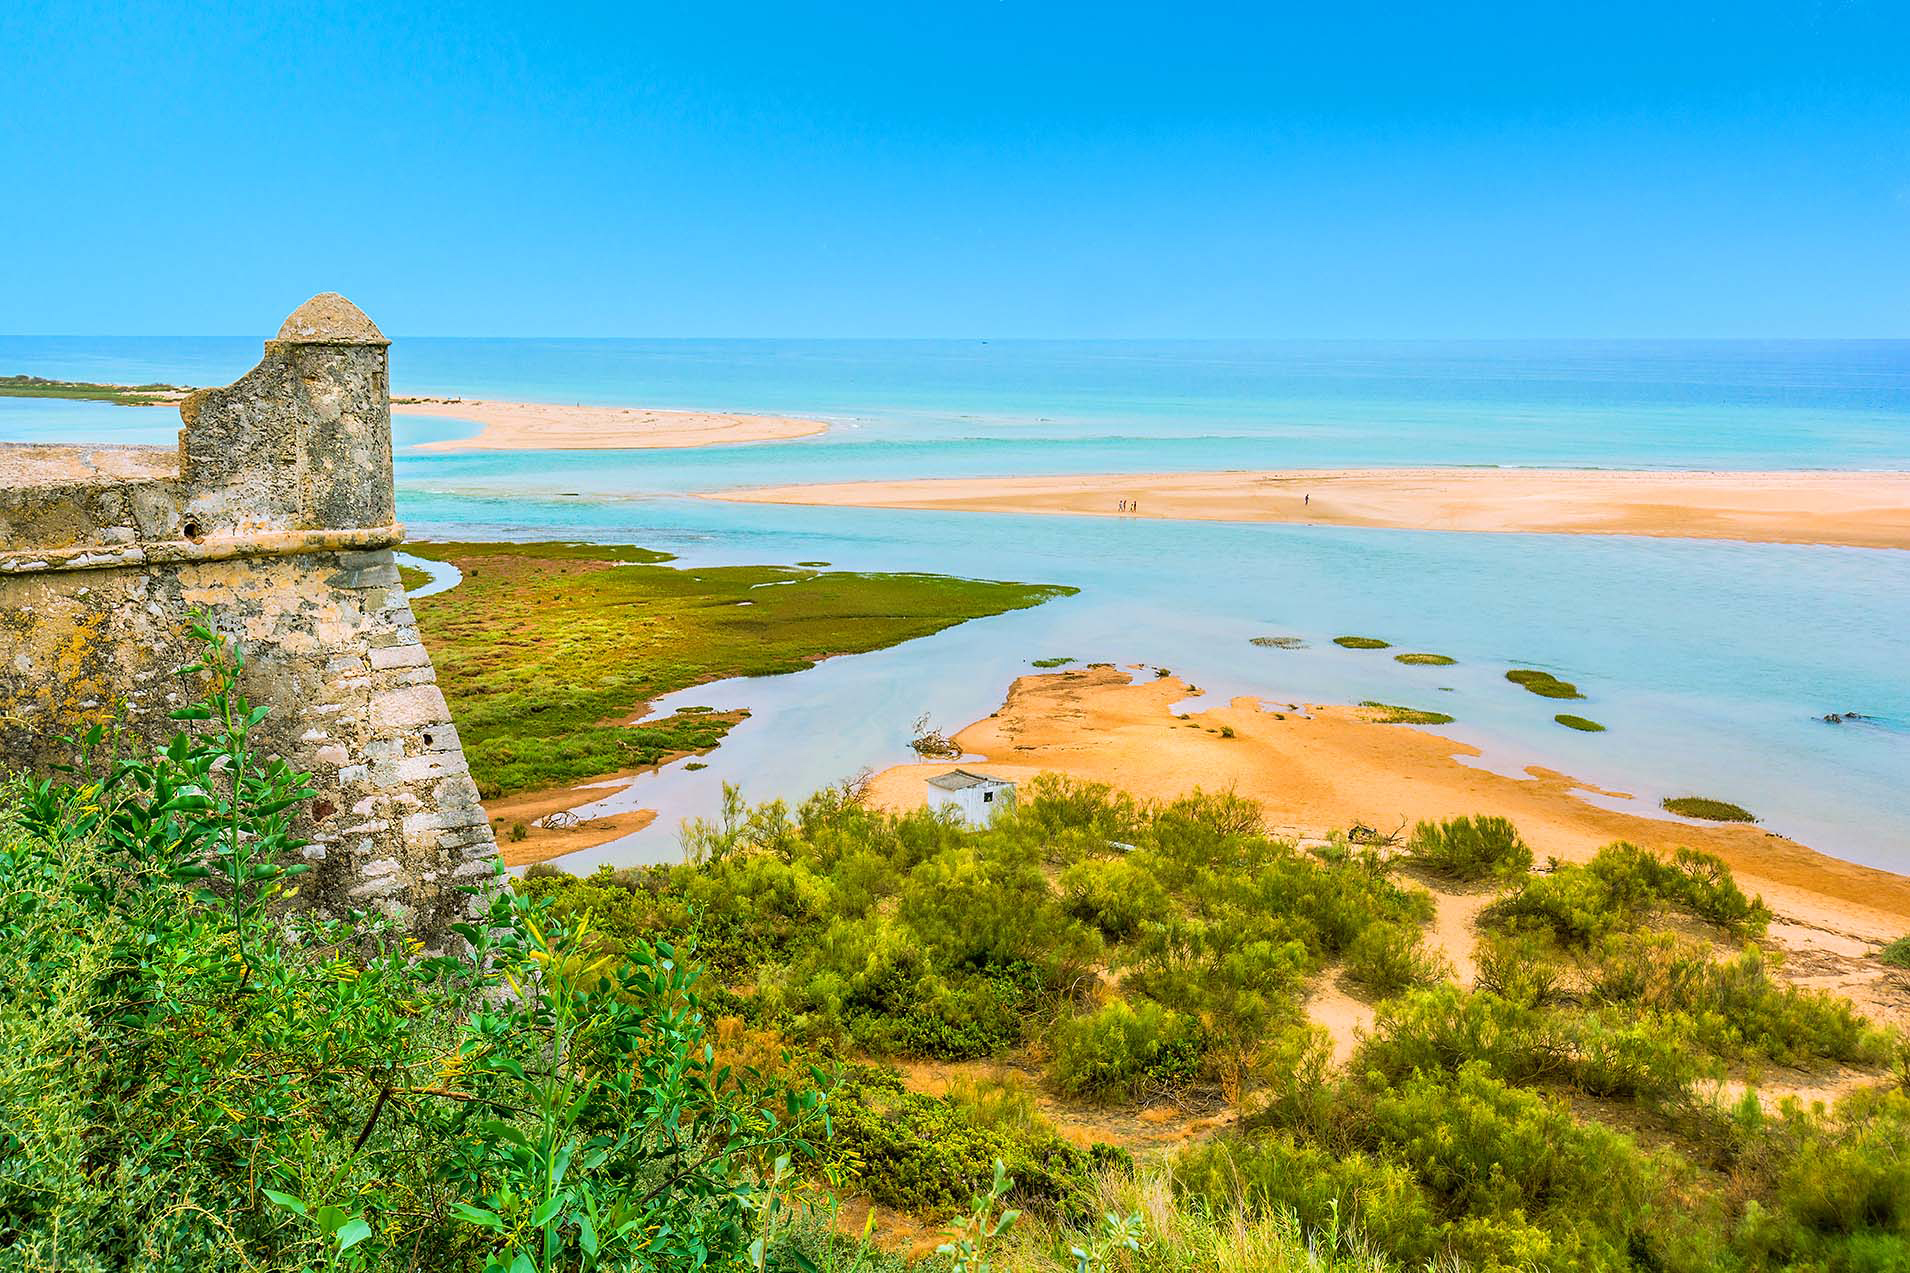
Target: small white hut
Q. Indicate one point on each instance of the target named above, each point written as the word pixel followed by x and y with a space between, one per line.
pixel 974 796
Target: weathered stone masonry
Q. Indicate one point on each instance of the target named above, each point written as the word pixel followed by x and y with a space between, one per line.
pixel 276 514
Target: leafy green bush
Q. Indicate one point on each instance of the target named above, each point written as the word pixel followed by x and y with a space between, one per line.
pixel 1620 887
pixel 924 1155
pixel 1124 1049
pixel 194 1076
pixel 1470 849
pixel 1388 958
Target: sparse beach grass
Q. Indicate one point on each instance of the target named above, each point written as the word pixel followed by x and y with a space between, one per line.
pixel 1361 643
pixel 1579 723
pixel 1706 808
pixel 1544 684
pixel 87 391
pixel 547 651
pixel 1425 660
pixel 1393 714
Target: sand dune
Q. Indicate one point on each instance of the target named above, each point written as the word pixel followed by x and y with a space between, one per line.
pixel 1870 510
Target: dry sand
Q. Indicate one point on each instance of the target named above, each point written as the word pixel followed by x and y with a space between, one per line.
pixel 1327 768
pixel 538 426
pixel 1869 510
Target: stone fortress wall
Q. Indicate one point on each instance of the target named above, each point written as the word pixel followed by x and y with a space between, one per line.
pixel 276 514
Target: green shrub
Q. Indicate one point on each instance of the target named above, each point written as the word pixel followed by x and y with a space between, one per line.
pixel 1708 809
pixel 924 1155
pixel 1470 849
pixel 1443 1028
pixel 193 1076
pixel 1269 1174
pixel 1115 895
pixel 1620 887
pixel 1388 958
pixel 1897 953
pixel 1122 1050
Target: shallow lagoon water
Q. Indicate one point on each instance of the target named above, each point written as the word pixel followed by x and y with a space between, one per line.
pixel 1711 663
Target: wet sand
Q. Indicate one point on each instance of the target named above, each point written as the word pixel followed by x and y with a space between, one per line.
pixel 1867 510
pixel 538 426
pixel 1326 768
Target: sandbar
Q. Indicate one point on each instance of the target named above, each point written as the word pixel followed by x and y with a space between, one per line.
pixel 1851 509
pixel 543 426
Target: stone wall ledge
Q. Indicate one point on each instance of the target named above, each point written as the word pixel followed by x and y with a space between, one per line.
pixel 276 543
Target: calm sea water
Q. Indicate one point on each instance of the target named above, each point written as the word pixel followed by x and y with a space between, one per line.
pixel 1712 663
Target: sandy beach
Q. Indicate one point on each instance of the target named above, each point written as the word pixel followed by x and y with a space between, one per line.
pixel 541 426
pixel 1855 509
pixel 1322 768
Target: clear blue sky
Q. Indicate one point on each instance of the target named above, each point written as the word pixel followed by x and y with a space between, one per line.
pixel 985 167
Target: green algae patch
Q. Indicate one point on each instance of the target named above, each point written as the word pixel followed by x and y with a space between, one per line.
pixel 548 653
pixel 1579 723
pixel 1361 643
pixel 1544 684
pixel 1709 810
pixel 1278 642
pixel 1393 714
pixel 1425 660
pixel 88 391
pixel 1048 663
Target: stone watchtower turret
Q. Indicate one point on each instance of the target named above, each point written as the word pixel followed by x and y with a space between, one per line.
pixel 276 513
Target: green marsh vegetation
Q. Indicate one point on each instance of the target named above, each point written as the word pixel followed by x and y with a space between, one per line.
pixel 410 578
pixel 1361 643
pixel 1580 723
pixel 546 651
pixel 1708 809
pixel 1057 661
pixel 1555 1114
pixel 1544 684
pixel 124 395
pixel 1393 714
pixel 1425 660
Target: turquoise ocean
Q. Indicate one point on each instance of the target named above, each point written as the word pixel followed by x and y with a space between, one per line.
pixel 1712 663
